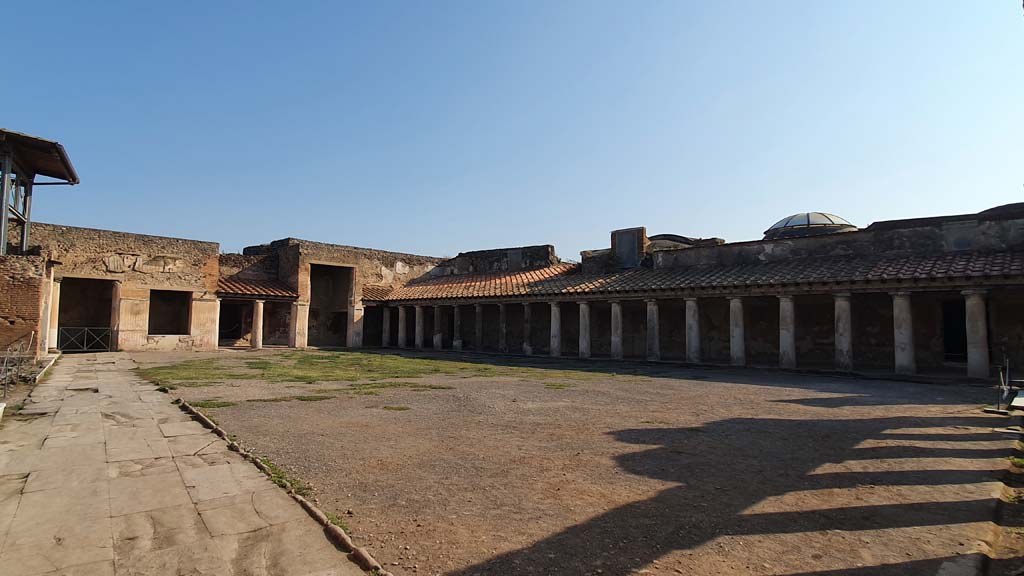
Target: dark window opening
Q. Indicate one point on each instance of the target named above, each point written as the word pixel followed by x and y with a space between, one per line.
pixel 169 312
pixel 954 331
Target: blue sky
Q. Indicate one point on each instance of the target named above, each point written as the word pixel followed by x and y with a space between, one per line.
pixel 440 127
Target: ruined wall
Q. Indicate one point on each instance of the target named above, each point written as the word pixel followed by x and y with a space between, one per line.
pixel 540 327
pixel 1006 328
pixel 872 331
pixel 672 328
pixel 22 292
pixel 249 267
pixel 815 330
pixel 634 329
pixel 918 237
pixel 761 330
pixel 498 260
pixel 491 327
pixel 714 330
pixel 134 259
pixel 138 263
pixel 570 312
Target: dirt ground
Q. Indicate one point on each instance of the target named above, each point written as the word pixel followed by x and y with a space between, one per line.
pixel 618 468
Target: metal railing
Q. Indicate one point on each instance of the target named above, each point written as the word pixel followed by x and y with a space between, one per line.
pixel 18 361
pixel 80 339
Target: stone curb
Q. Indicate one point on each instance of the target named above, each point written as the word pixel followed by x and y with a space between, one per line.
pixel 52 361
pixel 337 536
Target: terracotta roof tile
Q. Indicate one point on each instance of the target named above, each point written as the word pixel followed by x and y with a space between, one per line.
pixel 247 287
pixel 376 293
pixel 567 279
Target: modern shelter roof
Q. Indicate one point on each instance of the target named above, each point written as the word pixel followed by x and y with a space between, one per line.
pixel 39 155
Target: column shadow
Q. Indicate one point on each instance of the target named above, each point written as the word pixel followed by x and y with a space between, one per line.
pixel 722 469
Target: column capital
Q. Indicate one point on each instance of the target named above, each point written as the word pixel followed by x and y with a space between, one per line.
pixel 690 299
pixel 735 298
pixel 900 294
pixel 974 292
pixel 554 302
pixel 841 295
pixel 784 296
pixel 651 300
pixel 583 302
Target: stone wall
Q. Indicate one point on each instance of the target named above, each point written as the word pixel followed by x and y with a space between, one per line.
pixel 22 292
pixel 133 259
pixel 498 260
pixel 137 264
pixel 924 236
pixel 249 267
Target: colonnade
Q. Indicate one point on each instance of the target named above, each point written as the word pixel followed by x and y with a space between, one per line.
pixel 903 330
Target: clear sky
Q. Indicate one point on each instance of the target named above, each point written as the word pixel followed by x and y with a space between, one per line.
pixel 440 127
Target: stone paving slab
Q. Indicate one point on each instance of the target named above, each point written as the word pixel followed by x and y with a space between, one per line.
pixel 100 475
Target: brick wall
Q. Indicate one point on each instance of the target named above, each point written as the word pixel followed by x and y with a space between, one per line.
pixel 21 297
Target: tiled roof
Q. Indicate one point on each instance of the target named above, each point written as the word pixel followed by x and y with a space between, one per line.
pixel 247 287
pixel 566 279
pixel 376 293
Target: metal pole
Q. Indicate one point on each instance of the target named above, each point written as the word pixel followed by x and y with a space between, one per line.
pixel 28 217
pixel 4 211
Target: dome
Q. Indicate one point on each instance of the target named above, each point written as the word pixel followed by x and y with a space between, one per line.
pixel 808 224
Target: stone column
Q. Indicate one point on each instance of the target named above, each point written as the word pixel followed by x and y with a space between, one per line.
pixel 457 328
pixel 354 336
pixel 51 339
pixel 403 338
pixel 438 329
pixel 903 333
pixel 737 342
pixel 385 330
pixel 787 333
pixel 418 336
pixel 216 325
pixel 844 333
pixel 478 327
pixel 584 329
pixel 257 325
pixel 502 328
pixel 616 330
pixel 692 331
pixel 527 347
pixel 299 332
pixel 556 329
pixel 977 334
pixel 653 336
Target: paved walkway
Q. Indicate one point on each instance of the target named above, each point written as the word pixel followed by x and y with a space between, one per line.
pixel 101 475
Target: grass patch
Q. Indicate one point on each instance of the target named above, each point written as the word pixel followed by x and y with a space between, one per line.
pixel 396 408
pixel 211 404
pixel 1017 461
pixel 336 520
pixel 280 477
pixel 557 385
pixel 211 369
pixel 275 399
pixel 312 398
pixel 369 373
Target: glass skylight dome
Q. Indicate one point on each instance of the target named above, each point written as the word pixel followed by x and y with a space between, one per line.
pixel 808 224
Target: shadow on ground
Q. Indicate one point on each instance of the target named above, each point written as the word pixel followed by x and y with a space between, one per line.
pixel 738 463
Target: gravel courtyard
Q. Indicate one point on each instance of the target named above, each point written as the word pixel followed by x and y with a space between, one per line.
pixel 468 465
